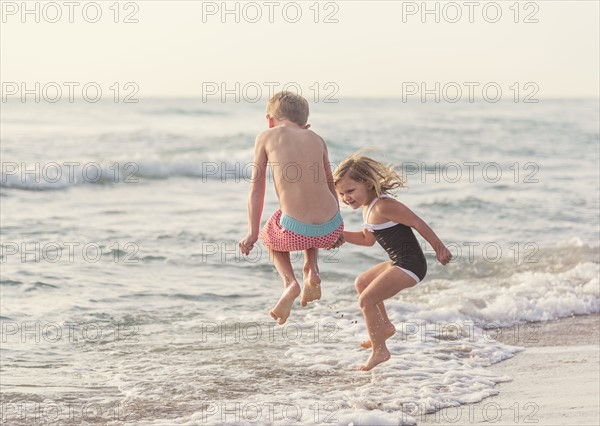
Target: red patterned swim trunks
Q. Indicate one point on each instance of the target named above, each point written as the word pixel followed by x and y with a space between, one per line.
pixel 277 238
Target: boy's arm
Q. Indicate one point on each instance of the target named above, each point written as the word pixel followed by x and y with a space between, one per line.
pixel 256 196
pixel 396 211
pixel 328 174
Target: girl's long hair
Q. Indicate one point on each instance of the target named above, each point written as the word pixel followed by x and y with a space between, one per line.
pixel 382 177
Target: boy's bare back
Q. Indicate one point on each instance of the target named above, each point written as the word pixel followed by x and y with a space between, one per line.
pixel 308 217
pixel 301 172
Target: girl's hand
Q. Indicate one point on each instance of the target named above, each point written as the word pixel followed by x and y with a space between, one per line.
pixel 443 255
pixel 247 244
pixel 338 243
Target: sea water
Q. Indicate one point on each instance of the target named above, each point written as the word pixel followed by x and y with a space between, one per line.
pixel 125 300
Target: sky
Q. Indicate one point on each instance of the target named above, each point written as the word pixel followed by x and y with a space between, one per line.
pixel 341 49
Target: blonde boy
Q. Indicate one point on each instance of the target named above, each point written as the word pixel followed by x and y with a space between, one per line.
pixel 308 217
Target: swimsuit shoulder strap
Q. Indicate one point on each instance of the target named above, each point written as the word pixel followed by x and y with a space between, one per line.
pixel 372 205
pixel 370 208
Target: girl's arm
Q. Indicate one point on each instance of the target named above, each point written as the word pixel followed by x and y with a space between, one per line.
pixel 396 211
pixel 364 238
pixel 256 196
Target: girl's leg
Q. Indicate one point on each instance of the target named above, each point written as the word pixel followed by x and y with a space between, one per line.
pixel 282 262
pixel 386 285
pixel 388 328
pixel 312 280
pixel 361 283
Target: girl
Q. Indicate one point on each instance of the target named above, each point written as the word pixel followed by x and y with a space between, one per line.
pixel 363 182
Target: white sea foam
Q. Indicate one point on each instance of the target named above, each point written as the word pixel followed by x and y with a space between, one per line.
pixel 520 297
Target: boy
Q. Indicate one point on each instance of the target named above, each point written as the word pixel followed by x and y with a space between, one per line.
pixel 309 217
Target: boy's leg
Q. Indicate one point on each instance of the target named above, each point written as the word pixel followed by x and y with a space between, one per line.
pixel 312 280
pixel 386 285
pixel 282 262
pixel 361 283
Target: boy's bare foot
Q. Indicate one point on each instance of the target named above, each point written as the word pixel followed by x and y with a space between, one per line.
pixel 281 311
pixel 376 358
pixel 312 287
pixel 389 330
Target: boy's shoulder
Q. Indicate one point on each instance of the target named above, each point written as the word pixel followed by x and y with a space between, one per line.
pixel 268 134
pixel 264 136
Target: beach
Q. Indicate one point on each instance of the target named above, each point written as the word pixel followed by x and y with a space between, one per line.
pixel 554 381
pixel 124 298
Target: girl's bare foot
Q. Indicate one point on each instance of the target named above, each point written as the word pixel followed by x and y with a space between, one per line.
pixel 281 311
pixel 389 330
pixel 312 287
pixel 376 358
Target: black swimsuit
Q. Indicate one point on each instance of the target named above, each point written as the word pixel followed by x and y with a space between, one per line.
pixel 400 243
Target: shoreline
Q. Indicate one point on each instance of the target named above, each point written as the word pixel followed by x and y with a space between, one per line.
pixel 554 381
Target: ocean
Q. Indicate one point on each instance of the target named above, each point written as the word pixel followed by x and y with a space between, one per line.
pixel 124 299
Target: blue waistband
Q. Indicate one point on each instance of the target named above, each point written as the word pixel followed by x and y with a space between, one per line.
pixel 307 230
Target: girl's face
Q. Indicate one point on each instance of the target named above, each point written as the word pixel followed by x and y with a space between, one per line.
pixel 353 193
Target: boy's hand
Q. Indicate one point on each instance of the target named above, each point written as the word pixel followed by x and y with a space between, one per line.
pixel 247 244
pixel 443 255
pixel 338 243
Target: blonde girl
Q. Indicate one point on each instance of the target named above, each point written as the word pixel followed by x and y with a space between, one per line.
pixel 362 182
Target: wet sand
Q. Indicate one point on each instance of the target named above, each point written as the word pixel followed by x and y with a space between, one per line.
pixel 554 381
